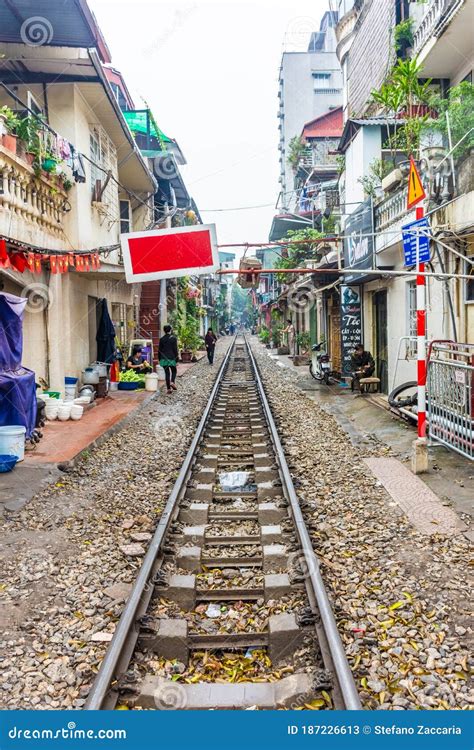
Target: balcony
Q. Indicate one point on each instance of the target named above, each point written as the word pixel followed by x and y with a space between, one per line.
pixel 32 209
pixel 442 41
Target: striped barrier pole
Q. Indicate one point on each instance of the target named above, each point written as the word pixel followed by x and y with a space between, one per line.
pixel 420 445
pixel 421 333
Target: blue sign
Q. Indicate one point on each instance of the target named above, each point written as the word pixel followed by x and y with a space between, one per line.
pixel 413 233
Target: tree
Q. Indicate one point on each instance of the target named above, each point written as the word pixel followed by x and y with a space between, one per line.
pixel 402 96
pixel 458 107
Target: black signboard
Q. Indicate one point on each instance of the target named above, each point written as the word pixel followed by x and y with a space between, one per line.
pixel 351 323
pixel 359 242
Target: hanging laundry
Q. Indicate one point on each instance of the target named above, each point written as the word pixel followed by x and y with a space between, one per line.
pixel 78 168
pixel 64 148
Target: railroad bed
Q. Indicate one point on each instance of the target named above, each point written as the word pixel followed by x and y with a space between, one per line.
pixel 229 610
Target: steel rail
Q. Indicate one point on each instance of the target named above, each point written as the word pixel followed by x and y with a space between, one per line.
pixel 338 655
pixel 127 619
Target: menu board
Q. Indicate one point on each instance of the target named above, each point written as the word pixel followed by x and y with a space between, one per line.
pixel 351 324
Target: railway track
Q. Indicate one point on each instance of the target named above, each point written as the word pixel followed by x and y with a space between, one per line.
pixel 229 610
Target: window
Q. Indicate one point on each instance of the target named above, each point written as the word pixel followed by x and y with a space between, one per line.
pixel 411 344
pixel 104 156
pixel 321 80
pixel 125 217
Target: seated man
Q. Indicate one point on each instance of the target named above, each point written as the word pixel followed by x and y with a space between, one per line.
pixel 363 365
pixel 137 361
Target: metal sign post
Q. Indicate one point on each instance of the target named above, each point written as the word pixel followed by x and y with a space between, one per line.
pixel 416 194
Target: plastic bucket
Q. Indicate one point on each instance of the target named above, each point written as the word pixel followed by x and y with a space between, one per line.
pixel 151 382
pixel 12 441
pixel 113 386
pixel 70 392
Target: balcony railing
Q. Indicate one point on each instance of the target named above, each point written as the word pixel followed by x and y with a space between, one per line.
pixel 391 209
pixel 31 207
pixel 435 12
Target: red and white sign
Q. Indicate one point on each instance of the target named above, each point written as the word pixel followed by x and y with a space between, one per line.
pixel 168 253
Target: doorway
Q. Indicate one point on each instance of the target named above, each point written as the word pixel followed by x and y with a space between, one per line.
pixel 380 317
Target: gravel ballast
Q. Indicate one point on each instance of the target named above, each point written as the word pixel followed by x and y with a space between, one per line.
pixel 70 556
pixel 401 599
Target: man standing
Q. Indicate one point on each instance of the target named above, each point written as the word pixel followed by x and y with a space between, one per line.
pixel 168 356
pixel 363 365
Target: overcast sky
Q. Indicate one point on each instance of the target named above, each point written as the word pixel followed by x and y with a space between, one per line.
pixel 209 72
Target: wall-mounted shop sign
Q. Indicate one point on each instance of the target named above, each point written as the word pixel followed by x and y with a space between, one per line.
pixel 359 241
pixel 351 323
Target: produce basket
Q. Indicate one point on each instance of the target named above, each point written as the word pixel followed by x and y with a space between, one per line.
pixel 7 463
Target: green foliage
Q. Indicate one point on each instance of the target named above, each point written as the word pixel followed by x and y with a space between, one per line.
pixel 378 169
pixel 277 328
pixel 298 253
pixel 238 300
pixel 459 107
pixel 403 35
pixel 12 120
pixel 188 337
pixel 296 151
pixel 303 341
pixel 264 335
pixel 402 96
pixel 340 163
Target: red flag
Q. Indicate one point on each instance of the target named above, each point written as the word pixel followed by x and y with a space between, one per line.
pixel 87 263
pixel 30 261
pixel 79 263
pixel 53 262
pixel 93 262
pixel 97 257
pixel 18 261
pixel 37 263
pixel 71 259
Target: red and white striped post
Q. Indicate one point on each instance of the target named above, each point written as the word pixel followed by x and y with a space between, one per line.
pixel 421 332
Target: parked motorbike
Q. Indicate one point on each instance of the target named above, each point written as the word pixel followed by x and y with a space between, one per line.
pixel 320 364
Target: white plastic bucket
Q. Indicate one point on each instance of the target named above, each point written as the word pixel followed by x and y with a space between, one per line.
pixel 12 441
pixel 151 382
pixel 113 386
pixel 70 392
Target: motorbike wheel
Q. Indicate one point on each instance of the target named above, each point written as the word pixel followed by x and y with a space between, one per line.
pixel 327 378
pixel 313 373
pixel 410 400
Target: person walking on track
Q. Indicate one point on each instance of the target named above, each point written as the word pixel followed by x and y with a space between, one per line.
pixel 168 356
pixel 210 341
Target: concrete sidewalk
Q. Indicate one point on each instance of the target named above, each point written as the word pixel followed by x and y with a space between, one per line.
pixel 450 477
pixel 63 442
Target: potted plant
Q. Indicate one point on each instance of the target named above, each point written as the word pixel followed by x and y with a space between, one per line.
pixel 265 336
pixel 189 341
pixel 303 341
pixel 28 143
pixel 10 123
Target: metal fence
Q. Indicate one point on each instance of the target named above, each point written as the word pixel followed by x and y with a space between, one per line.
pixel 451 396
